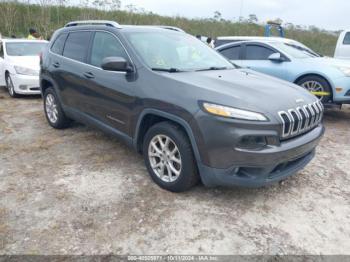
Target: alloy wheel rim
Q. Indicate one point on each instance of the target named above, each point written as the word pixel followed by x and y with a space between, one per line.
pixel 165 158
pixel 51 108
pixel 314 86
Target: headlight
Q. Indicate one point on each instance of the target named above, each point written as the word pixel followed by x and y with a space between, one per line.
pixel 26 71
pixel 231 112
pixel 345 70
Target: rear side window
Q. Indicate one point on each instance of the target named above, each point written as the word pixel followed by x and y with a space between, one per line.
pixel 256 52
pixel 58 45
pixel 77 45
pixel 231 53
pixel 105 45
pixel 346 39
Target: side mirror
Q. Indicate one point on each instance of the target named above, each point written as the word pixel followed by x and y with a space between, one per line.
pixel 276 57
pixel 118 64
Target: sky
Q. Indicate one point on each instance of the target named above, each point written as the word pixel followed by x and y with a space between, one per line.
pixel 326 14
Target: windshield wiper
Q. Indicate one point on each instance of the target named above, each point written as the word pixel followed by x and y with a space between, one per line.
pixel 170 70
pixel 212 68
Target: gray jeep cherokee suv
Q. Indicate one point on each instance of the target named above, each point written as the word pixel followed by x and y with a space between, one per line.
pixel 190 112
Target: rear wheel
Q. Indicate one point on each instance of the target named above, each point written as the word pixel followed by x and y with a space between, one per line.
pixel 53 110
pixel 169 158
pixel 10 86
pixel 317 86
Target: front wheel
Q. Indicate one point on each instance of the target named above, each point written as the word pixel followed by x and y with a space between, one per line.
pixel 317 86
pixel 169 158
pixel 53 110
pixel 10 87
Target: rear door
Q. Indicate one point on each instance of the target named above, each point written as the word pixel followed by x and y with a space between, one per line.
pixel 256 57
pixel 109 96
pixel 72 68
pixel 234 54
pixel 2 69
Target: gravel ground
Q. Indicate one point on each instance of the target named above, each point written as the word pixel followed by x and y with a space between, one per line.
pixel 79 191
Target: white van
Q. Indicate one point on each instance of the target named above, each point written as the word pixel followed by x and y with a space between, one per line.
pixel 342 51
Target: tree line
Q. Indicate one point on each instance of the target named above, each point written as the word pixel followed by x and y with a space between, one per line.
pixel 16 17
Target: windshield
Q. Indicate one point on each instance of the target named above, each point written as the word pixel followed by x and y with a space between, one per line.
pixel 24 49
pixel 296 51
pixel 176 52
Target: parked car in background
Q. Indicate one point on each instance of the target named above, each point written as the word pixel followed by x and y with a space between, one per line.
pixel 19 65
pixel 342 50
pixel 190 112
pixel 223 40
pixel 327 78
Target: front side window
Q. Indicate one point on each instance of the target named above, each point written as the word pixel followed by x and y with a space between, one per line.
pixel 105 45
pixel 347 39
pixel 24 48
pixel 58 45
pixel 256 52
pixel 77 45
pixel 172 50
pixel 231 53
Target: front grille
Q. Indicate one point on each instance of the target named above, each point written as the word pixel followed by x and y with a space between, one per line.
pixel 296 121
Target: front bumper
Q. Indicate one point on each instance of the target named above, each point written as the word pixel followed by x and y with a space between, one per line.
pixel 26 85
pixel 229 166
pixel 342 96
pixel 212 177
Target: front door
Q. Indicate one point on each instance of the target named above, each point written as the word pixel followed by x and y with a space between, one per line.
pixel 257 59
pixel 109 96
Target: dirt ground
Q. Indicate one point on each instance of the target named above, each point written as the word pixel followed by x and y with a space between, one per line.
pixel 79 191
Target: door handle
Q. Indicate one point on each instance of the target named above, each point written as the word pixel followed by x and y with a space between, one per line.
pixel 89 75
pixel 56 65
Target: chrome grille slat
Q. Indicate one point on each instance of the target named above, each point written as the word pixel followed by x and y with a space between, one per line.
pixel 301 119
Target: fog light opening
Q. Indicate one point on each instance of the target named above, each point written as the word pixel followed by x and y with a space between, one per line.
pixel 252 142
pixel 23 87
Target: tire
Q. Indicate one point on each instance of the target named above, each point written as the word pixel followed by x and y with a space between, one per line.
pixel 10 87
pixel 53 110
pixel 317 83
pixel 187 176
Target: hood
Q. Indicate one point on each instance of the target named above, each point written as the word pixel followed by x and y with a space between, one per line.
pixel 245 89
pixel 32 62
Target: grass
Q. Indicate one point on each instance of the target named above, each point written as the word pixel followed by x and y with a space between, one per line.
pixel 16 18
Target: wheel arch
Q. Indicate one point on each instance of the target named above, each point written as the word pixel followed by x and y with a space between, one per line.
pixel 45 84
pixel 318 75
pixel 149 117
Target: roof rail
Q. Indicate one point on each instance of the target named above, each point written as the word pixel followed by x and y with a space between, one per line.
pixel 94 22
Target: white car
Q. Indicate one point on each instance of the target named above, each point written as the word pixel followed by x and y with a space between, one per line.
pixel 20 65
pixel 342 50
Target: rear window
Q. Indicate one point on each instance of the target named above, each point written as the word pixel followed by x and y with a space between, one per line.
pixel 58 45
pixel 347 39
pixel 219 42
pixel 24 48
pixel 77 45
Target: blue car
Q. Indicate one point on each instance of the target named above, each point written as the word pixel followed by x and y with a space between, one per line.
pixel 327 78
